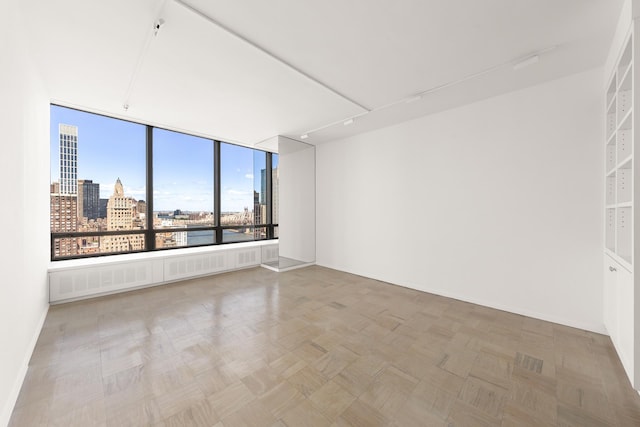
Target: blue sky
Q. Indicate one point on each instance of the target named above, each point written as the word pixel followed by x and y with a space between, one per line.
pixel 183 164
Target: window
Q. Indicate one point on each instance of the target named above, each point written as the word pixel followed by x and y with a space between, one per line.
pixel 236 192
pixel 182 189
pixel 112 154
pixel 118 186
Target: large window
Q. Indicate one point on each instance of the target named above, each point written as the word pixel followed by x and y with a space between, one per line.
pixel 119 187
pixel 182 189
pixel 237 195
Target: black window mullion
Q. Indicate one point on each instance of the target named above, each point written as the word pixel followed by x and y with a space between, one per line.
pixel 269 173
pixel 149 235
pixel 216 190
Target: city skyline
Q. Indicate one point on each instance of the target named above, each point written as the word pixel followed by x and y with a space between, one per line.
pixel 183 178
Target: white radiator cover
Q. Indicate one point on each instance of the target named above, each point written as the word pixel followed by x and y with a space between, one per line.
pixel 78 279
pixel 270 253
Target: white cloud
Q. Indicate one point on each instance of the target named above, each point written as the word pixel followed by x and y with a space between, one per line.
pixel 233 192
pixel 249 176
pixel 134 191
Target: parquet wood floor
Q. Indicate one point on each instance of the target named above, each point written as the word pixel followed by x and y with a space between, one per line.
pixel 314 347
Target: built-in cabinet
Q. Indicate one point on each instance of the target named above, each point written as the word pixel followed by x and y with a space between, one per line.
pixel 621 308
pixel 619 313
pixel 619 161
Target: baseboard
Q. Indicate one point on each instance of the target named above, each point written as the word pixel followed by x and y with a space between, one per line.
pixel 592 327
pixel 597 328
pixel 5 416
pixel 282 270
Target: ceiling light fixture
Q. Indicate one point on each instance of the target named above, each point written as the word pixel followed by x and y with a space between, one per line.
pixel 143 53
pixel 156 26
pixel 305 136
pixel 516 64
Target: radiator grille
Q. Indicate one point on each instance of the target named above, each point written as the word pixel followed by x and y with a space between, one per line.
pixel 93 280
pixel 81 282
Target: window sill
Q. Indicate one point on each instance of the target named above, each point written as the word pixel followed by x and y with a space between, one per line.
pixel 62 265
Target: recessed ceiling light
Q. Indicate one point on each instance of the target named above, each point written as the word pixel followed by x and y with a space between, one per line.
pixel 348 122
pixel 305 136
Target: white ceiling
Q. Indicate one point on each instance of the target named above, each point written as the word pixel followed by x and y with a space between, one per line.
pixel 245 71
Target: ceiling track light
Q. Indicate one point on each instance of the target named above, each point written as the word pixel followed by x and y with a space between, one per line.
pixel 516 64
pixel 156 26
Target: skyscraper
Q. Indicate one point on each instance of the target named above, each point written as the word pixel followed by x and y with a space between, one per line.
pixel 102 208
pixel 64 195
pixel 68 137
pixel 263 187
pixel 275 195
pixel 88 199
pixel 121 215
pixel 63 218
pixel 275 189
pixel 120 209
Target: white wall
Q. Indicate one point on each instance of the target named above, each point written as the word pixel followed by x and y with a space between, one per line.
pixel 296 206
pixel 497 202
pixel 24 173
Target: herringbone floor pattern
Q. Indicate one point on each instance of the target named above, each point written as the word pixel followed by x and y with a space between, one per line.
pixel 314 347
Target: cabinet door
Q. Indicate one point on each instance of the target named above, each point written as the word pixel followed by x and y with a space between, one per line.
pixel 610 297
pixel 619 316
pixel 625 339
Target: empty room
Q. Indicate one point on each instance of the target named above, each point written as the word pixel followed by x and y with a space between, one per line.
pixel 296 213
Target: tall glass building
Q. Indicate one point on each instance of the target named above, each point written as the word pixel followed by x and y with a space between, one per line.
pixel 68 159
pixel 88 199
